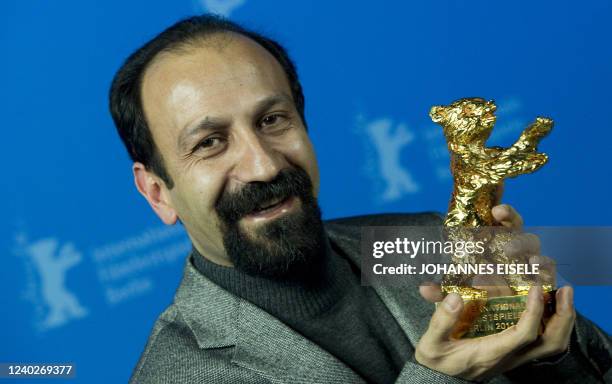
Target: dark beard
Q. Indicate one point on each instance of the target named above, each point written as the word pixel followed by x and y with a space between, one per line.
pixel 291 246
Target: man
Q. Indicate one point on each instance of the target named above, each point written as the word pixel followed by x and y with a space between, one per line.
pixel 213 118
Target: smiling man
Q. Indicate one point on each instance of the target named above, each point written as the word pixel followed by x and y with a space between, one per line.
pixel 241 163
pixel 212 116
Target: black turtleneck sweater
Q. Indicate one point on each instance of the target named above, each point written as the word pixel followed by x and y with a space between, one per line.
pixel 332 309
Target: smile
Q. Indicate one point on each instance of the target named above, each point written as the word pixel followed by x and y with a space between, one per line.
pixel 272 210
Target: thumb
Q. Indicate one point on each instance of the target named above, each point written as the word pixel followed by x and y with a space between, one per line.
pixel 444 318
pixel 431 292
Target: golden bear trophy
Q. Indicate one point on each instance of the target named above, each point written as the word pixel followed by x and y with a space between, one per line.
pixel 478 172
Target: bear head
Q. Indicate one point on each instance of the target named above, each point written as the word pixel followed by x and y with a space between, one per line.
pixel 465 121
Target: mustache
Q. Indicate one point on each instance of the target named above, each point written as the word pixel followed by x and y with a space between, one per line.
pixel 231 207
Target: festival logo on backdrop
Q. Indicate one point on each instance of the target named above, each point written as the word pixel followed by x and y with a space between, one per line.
pixel 389 140
pixel 52 262
pixel 126 269
pixel 221 7
pixel 388 150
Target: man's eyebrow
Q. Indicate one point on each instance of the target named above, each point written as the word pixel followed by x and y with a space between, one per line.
pixel 206 124
pixel 271 101
pixel 210 124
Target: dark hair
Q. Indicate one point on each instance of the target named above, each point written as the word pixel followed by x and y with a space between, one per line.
pixel 125 93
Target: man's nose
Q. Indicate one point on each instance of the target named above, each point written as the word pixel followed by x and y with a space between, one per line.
pixel 258 161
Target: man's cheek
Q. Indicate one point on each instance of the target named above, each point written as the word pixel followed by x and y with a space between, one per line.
pixel 195 207
pixel 301 152
pixel 205 190
pixel 315 180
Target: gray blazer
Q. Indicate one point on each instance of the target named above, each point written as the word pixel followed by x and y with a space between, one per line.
pixel 209 335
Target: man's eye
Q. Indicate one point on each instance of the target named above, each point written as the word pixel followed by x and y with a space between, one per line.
pixel 210 142
pixel 271 120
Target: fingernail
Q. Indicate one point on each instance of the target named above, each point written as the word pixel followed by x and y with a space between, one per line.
pixel 569 297
pixel 535 294
pixel 452 302
pixel 499 209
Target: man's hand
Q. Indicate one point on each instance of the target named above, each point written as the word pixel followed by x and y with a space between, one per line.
pixel 483 357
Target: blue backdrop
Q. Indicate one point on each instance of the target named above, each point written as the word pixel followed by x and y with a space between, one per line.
pixel 87 266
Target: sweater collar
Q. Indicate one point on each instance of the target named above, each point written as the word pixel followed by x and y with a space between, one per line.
pixel 307 297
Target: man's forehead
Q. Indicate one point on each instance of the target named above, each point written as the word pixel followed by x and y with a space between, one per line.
pixel 207 64
pixel 177 86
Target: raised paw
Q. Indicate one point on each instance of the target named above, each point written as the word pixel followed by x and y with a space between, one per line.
pixel 541 127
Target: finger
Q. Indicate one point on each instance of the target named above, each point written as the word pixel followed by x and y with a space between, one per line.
pixel 524 333
pixel 562 322
pixel 546 269
pixel 547 263
pixel 507 216
pixel 431 292
pixel 521 245
pixel 443 320
pixel 529 323
pixel 556 337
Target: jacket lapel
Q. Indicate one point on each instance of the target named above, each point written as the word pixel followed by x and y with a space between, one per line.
pixel 404 302
pixel 282 355
pixel 408 308
pixel 262 343
pixel 266 345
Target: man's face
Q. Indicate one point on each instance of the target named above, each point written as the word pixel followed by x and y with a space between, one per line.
pixel 223 118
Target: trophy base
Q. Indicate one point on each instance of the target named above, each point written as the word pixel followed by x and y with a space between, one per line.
pixel 483 317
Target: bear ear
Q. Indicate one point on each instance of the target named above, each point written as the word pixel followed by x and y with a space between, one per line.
pixel 437 113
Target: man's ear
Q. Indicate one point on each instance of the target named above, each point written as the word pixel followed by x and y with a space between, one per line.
pixel 155 191
pixel 437 113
